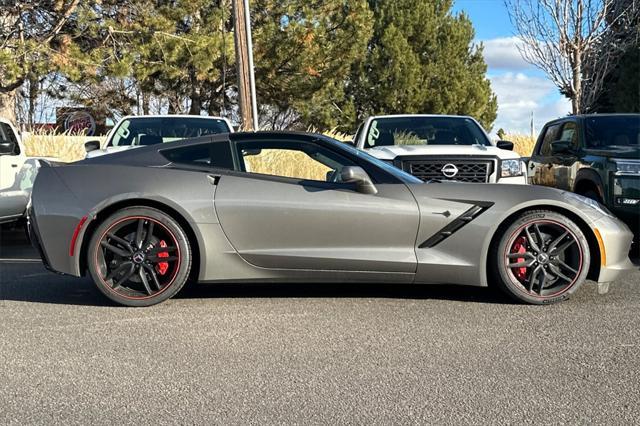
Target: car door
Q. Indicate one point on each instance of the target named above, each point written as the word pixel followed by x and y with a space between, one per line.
pixel 280 212
pixel 10 163
pixel 541 166
pixel 565 164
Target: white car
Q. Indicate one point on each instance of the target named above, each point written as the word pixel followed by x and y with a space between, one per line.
pixel 143 130
pixel 441 147
pixel 17 174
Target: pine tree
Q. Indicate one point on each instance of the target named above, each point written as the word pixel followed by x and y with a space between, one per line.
pixel 303 55
pixel 421 59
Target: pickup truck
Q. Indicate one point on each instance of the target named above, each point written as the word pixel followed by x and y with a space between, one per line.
pixel 136 131
pixel 440 147
pixel 17 174
pixel 597 156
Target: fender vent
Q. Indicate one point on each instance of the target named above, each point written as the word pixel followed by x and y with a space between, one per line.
pixel 456 225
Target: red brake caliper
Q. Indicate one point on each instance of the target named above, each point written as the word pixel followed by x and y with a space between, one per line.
pixel 162 267
pixel 519 246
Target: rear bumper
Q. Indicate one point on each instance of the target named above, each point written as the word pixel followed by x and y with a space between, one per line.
pixel 34 238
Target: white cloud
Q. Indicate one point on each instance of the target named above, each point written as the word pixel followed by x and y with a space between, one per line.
pixel 519 95
pixel 503 53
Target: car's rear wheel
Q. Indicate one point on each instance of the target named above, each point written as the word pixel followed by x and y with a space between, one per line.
pixel 139 256
pixel 542 257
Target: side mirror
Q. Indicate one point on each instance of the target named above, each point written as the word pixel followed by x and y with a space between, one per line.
pixel 561 147
pixel 357 175
pixel 506 145
pixel 91 146
pixel 7 148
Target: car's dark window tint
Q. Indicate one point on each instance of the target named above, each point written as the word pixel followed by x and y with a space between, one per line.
pixel 550 135
pixel 613 131
pixel 569 133
pixel 216 155
pixel 7 135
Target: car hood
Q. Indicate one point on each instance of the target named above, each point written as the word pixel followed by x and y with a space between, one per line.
pixel 509 198
pixel 391 152
pixel 617 151
pixel 109 150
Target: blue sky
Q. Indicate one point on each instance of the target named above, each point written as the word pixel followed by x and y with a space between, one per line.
pixel 520 87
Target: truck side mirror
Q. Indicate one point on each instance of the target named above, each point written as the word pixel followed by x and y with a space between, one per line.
pixel 506 145
pixel 91 146
pixel 7 148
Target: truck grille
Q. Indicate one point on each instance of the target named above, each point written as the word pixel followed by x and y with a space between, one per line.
pixel 473 171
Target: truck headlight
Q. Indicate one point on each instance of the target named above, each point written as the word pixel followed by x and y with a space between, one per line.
pixel 511 168
pixel 627 166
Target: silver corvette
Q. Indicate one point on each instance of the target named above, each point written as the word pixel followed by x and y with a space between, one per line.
pixel 275 207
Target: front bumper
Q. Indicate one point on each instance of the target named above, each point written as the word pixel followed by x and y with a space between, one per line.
pixel 517 180
pixel 615 242
pixel 625 199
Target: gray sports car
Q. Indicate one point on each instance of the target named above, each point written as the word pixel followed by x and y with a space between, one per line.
pixel 275 207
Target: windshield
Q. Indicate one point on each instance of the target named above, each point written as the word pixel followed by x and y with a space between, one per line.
pixel 394 171
pixel 425 131
pixel 613 131
pixel 154 130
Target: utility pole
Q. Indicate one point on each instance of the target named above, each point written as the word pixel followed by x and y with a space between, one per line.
pixel 244 64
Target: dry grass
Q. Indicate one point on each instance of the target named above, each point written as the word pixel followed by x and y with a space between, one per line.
pixel 65 147
pixel 293 164
pixel 524 144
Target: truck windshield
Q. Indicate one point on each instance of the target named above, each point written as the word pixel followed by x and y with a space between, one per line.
pixel 613 131
pixel 139 131
pixel 425 131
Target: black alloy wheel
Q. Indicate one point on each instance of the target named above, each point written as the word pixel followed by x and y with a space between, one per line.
pixel 139 257
pixel 543 258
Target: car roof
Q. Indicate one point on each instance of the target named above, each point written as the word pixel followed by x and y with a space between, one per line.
pixel 583 116
pixel 206 117
pixel 418 115
pixel 131 156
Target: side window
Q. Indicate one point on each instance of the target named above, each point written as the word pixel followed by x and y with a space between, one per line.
pixel 216 155
pixel 570 134
pixel 7 135
pixel 550 135
pixel 291 159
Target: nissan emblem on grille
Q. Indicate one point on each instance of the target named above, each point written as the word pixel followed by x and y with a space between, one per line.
pixel 449 170
pixel 461 170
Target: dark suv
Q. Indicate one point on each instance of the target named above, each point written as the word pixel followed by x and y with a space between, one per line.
pixel 597 156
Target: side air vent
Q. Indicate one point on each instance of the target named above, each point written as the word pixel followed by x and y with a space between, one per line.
pixel 456 225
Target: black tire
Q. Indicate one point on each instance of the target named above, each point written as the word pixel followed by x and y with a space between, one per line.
pixel 536 273
pixel 139 256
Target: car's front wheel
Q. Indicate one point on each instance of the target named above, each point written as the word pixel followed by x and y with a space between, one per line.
pixel 542 257
pixel 139 256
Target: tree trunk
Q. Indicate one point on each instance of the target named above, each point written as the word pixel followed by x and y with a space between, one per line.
pixel 576 100
pixel 8 106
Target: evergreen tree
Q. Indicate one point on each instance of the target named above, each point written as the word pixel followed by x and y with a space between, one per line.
pixel 303 55
pixel 421 59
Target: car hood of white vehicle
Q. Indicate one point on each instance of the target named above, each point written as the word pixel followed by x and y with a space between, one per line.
pixel 391 152
pixel 109 150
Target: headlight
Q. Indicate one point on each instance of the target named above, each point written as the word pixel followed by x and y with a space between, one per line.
pixel 588 201
pixel 627 166
pixel 511 168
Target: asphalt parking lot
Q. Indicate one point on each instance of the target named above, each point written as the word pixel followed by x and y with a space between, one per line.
pixel 312 354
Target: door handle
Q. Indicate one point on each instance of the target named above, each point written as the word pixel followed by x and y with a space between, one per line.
pixel 213 179
pixel 15 166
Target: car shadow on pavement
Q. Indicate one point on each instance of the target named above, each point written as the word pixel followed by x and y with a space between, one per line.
pixel 343 290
